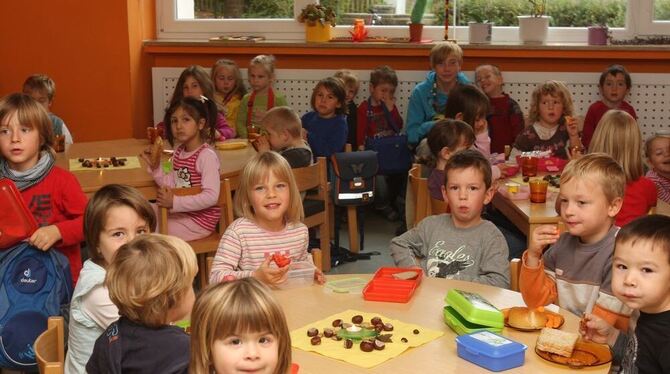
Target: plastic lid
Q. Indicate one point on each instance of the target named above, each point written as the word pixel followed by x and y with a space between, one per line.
pixel 461 326
pixel 474 308
pixel 490 344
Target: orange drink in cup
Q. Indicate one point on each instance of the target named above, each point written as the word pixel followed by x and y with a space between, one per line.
pixel 538 190
pixel 528 165
pixel 59 143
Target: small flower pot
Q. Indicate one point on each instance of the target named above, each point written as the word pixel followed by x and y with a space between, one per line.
pixel 479 33
pixel 597 35
pixel 415 32
pixel 533 29
pixel 317 33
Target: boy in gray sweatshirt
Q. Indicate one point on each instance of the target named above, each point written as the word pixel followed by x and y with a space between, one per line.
pixel 459 245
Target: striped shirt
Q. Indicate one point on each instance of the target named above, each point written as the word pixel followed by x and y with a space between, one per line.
pixel 662 185
pixel 244 246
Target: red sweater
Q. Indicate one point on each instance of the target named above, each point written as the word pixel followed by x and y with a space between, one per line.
pixel 374 123
pixel 505 122
pixel 640 196
pixel 593 116
pixel 58 200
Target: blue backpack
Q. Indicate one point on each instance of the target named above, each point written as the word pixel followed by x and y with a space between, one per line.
pixel 34 285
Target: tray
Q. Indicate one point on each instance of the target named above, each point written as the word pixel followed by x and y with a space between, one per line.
pixel 384 287
pixel 546 312
pixel 232 145
pixel 585 354
pixel 17 222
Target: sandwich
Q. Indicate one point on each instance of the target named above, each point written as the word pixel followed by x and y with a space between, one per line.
pixel 557 341
pixel 526 318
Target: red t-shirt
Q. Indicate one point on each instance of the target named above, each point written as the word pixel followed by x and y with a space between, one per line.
pixel 640 196
pixel 593 116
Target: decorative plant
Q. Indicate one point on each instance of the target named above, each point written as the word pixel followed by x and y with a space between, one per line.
pixel 480 12
pixel 417 11
pixel 538 7
pixel 313 13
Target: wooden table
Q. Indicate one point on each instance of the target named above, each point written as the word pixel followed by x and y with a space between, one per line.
pixel 232 161
pixel 307 304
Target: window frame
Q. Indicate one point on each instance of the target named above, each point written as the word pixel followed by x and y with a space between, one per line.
pixel 638 22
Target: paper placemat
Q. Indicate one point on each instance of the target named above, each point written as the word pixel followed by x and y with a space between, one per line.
pixel 132 162
pixel 335 349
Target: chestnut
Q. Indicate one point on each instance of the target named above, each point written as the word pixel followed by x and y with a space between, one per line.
pixel 376 321
pixel 367 346
pixel 416 331
pixel 312 332
pixel 337 323
pixel 328 332
pixel 357 319
pixel 348 343
pixel 316 340
pixel 81 159
pixel 388 327
pixel 379 328
pixel 404 340
pixel 379 345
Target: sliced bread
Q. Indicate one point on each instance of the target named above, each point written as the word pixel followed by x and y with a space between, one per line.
pixel 557 341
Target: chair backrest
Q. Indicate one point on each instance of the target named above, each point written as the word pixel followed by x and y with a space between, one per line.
pixel 421 198
pixel 313 176
pixel 514 271
pixel 50 347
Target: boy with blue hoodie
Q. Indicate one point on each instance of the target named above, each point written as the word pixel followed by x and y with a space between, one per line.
pixel 429 98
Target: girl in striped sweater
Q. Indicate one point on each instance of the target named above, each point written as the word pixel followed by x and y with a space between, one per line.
pixel 194 163
pixel 269 203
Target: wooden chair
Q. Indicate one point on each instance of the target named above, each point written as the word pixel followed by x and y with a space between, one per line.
pixel 317 209
pixel 50 348
pixel 418 196
pixel 209 244
pixel 514 271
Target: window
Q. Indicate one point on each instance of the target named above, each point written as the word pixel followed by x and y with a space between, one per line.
pixel 274 19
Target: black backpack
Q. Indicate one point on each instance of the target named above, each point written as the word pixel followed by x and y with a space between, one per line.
pixel 353 177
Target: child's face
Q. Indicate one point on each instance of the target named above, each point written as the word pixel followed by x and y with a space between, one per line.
pixel 382 92
pixel 467 194
pixel 224 80
pixel 19 144
pixel 641 276
pixel 551 109
pixel 270 199
pixel 40 96
pixel 659 155
pixel 490 82
pixel 325 102
pixel 448 69
pixel 614 89
pixel 122 224
pixel 185 129
pixel 585 209
pixel 351 91
pixel 192 88
pixel 259 78
pixel 246 353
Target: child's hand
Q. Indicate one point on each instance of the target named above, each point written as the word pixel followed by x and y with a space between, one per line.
pixel 165 197
pixel 389 102
pixel 45 237
pixel 572 126
pixel 575 152
pixel 270 275
pixel 595 329
pixel 541 237
pixel 319 277
pixel 218 136
pixel 261 144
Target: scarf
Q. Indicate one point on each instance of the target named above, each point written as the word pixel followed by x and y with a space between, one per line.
pixel 32 176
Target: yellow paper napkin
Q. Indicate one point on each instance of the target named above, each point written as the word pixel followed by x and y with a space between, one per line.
pixel 335 349
pixel 132 162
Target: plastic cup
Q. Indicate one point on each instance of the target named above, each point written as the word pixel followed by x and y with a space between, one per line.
pixel 512 187
pixel 529 166
pixel 152 134
pixel 538 190
pixel 59 143
pixel 508 150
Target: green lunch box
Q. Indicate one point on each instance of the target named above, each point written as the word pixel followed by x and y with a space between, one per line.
pixel 469 312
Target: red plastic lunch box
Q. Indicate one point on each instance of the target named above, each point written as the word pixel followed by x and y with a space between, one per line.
pixel 384 287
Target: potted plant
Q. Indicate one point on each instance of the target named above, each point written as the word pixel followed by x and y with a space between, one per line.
pixel 415 26
pixel 534 28
pixel 480 29
pixel 318 20
pixel 598 32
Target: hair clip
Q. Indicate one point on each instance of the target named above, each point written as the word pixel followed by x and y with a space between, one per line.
pixel 203 99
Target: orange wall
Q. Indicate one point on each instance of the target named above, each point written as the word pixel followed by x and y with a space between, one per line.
pixel 92 50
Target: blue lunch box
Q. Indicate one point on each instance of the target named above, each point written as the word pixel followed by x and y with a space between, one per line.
pixel 490 351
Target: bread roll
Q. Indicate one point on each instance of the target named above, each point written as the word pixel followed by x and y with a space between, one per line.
pixel 557 341
pixel 526 318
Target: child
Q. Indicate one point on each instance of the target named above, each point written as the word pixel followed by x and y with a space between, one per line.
pixel 428 99
pixel 351 86
pixel 194 163
pixel 150 281
pixel 447 137
pixel 552 127
pixel 271 209
pixel 641 280
pixel 618 135
pixel 575 271
pixel 284 135
pixel 326 125
pixel 470 105
pixel 114 216
pixel 657 150
pixel 228 88
pixel 262 97
pixel 378 116
pixel 459 245
pixel 195 82
pixel 42 88
pixel 239 325
pixel 614 85
pixel 505 119
pixel 52 194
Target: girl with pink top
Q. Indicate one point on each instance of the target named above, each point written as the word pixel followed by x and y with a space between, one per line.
pixel 270 205
pixel 194 163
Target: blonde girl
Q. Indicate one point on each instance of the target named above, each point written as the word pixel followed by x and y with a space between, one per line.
pixel 239 325
pixel 52 194
pixel 270 205
pixel 195 82
pixel 194 163
pixel 113 217
pixel 618 135
pixel 228 88
pixel 263 97
pixel 552 126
